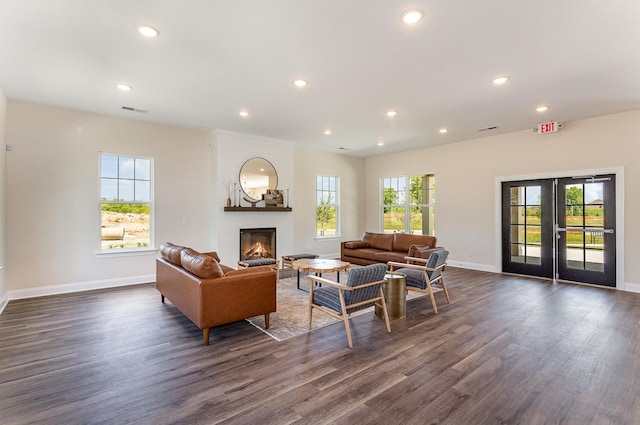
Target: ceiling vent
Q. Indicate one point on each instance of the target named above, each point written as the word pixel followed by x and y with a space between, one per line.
pixel 488 128
pixel 129 108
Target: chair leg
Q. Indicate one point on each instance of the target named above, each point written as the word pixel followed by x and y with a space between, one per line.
pixel 205 335
pixel 384 310
pixel 345 318
pixel 162 298
pixel 444 288
pixel 433 299
pixel 310 304
pixel 267 316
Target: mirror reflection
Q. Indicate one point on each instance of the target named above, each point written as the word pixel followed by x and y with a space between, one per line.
pixel 256 176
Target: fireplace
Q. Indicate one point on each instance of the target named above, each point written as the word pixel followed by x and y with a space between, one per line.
pixel 257 243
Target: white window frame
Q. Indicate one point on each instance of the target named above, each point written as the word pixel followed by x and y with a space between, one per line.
pixel 404 201
pixel 136 200
pixel 321 194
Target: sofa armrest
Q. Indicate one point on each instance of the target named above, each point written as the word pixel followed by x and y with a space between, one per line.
pixel 237 297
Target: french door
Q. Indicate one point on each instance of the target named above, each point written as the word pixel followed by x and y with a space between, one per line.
pixel 560 228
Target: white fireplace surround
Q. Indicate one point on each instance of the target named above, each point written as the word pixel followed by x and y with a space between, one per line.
pixel 228 152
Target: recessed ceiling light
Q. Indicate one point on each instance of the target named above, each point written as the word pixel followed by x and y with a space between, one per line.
pixel 327 132
pixel 412 16
pixel 380 143
pixel 148 31
pixel 443 130
pixel 124 87
pixel 391 114
pixel 500 80
pixel 243 114
pixel 542 108
pixel 300 83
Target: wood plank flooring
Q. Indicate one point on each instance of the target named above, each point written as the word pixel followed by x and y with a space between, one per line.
pixel 507 350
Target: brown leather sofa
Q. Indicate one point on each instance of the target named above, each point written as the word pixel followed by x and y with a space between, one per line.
pixel 211 294
pixel 384 247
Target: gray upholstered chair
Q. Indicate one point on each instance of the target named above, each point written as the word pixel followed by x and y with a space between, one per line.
pixel 420 278
pixel 362 289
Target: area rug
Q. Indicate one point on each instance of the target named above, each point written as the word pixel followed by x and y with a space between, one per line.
pixel 292 309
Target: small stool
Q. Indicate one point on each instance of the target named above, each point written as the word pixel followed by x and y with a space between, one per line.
pixel 287 261
pixel 245 264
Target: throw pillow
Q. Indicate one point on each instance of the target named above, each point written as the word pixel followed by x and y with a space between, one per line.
pixel 171 253
pixel 201 265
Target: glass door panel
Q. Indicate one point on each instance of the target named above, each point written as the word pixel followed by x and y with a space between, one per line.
pixel 586 230
pixel 526 207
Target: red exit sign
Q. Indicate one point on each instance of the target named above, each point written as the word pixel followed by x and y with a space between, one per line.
pixel 548 127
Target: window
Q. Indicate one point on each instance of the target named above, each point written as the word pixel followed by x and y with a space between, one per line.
pixel 408 204
pixel 125 202
pixel 327 201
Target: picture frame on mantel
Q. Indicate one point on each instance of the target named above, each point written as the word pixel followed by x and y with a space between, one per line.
pixel 274 198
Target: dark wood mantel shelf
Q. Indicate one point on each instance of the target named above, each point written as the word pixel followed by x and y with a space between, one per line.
pixel 258 209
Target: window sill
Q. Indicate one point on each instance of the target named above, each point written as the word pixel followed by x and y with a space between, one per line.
pixel 328 238
pixel 126 253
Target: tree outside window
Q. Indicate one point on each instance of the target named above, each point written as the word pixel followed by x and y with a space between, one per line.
pixel 125 202
pixel 327 196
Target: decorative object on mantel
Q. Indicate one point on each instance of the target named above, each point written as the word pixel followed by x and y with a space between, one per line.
pixel 253 202
pixel 230 191
pixel 261 209
pixel 258 182
pixel 235 190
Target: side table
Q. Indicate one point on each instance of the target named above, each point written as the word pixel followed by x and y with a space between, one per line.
pixel 395 296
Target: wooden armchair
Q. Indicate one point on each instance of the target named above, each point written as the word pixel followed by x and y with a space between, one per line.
pixel 362 289
pixel 421 277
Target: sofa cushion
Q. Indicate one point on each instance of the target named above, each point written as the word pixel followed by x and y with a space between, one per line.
pixel 171 253
pixel 404 241
pixel 386 256
pixel 367 253
pixel 379 240
pixel 357 244
pixel 201 265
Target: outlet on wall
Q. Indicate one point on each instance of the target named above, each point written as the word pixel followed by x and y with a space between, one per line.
pixel 470 253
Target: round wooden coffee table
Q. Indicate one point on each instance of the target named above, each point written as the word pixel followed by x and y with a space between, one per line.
pixel 319 266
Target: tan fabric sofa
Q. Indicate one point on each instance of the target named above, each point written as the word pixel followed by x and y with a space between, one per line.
pixel 211 294
pixel 384 247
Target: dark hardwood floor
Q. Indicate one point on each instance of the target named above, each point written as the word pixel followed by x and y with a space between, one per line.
pixel 507 350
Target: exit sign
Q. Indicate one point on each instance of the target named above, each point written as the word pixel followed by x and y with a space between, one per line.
pixel 548 127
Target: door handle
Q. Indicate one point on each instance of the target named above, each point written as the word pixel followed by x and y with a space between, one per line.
pixel 583 230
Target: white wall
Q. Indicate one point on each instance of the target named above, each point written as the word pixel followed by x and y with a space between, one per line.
pixel 469 173
pixel 3 166
pixel 53 193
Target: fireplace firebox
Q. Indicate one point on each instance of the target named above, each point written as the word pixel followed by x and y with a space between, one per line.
pixel 257 243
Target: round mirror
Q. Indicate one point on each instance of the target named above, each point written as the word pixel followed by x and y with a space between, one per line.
pixel 257 175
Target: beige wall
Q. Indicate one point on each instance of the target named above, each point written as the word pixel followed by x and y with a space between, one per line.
pixel 468 176
pixel 53 195
pixel 3 209
pixel 310 163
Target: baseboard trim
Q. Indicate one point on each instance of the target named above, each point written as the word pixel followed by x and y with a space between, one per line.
pixel 473 266
pixel 43 291
pixel 3 302
pixel 631 287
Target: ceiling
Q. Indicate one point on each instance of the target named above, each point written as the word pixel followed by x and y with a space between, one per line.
pixel 214 58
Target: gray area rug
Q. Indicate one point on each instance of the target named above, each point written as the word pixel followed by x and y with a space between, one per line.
pixel 292 309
